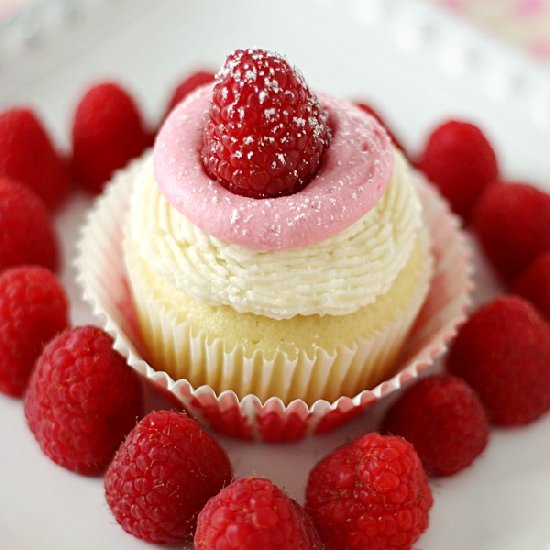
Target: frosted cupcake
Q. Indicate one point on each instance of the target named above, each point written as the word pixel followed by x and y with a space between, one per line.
pixel 274 243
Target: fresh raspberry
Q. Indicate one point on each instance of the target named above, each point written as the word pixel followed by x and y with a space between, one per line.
pixel 369 109
pixel 190 84
pixel 82 400
pixel 371 493
pixel 512 223
pixel 33 309
pixel 460 161
pixel 254 513
pixel 533 284
pixel 502 351
pixel 444 420
pixel 27 155
pixel 26 233
pixel 162 476
pixel 107 132
pixel 266 133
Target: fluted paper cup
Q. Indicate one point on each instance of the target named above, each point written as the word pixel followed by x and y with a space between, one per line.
pixel 101 274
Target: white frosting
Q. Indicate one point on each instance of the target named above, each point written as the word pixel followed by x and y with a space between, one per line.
pixel 336 276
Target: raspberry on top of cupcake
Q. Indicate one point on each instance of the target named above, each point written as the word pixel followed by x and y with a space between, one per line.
pixel 266 132
pixel 264 137
pixel 274 243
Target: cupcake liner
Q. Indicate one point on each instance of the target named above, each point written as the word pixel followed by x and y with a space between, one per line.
pixel 102 276
pixel 188 351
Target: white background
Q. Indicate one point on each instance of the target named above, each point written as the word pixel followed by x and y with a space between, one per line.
pixel 418 67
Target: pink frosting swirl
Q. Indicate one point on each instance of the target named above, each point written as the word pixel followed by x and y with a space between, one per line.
pixel 354 174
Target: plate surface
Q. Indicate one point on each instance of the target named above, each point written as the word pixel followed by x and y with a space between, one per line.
pixel 419 67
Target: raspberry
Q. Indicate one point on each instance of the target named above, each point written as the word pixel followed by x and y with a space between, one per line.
pixel 371 111
pixel 190 84
pixel 162 476
pixel 533 284
pixel 107 132
pixel 254 513
pixel 266 133
pixel 371 493
pixel 26 233
pixel 512 223
pixel 82 400
pixel 502 351
pixel 444 420
pixel 33 309
pixel 460 161
pixel 27 155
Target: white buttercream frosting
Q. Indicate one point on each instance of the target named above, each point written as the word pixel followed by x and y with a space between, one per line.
pixel 336 276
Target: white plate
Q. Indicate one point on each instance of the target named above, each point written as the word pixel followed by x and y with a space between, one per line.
pixel 419 66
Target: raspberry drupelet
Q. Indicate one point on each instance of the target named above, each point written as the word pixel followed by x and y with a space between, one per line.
pixel 461 162
pixel 254 513
pixel 266 132
pixel 82 400
pixel 28 155
pixel 27 236
pixel 107 132
pixel 503 352
pixel 33 309
pixel 444 420
pixel 512 223
pixel 533 284
pixel 162 476
pixel 371 493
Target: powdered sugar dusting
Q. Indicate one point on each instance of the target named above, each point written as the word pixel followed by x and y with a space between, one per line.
pixel 356 170
pixel 266 102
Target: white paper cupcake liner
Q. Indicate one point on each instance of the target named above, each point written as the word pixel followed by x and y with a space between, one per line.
pixel 188 351
pixel 101 274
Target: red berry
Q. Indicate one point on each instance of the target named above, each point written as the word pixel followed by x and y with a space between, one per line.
pixel 26 233
pixel 162 476
pixel 533 284
pixel 27 155
pixel 82 400
pixel 33 309
pixel 266 133
pixel 503 352
pixel 254 513
pixel 371 111
pixel 107 132
pixel 371 493
pixel 190 84
pixel 460 161
pixel 444 420
pixel 512 223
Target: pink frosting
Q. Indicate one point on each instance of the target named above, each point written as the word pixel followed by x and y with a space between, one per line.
pixel 354 174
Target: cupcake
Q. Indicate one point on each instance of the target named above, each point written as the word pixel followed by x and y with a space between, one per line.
pixel 275 246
